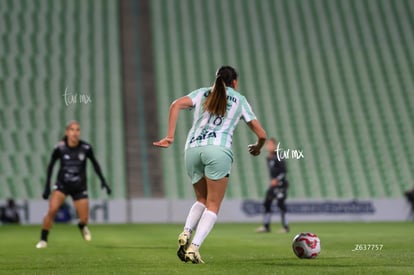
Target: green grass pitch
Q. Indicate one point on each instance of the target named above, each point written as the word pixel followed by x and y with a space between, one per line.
pixel 230 249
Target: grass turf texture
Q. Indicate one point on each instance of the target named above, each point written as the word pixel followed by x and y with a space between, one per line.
pixel 230 249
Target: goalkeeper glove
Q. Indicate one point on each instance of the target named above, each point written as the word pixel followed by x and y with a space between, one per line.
pixel 106 187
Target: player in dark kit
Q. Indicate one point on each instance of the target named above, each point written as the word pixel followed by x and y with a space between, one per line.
pixel 71 180
pixel 277 189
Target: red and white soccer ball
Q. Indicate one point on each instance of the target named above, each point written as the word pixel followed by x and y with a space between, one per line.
pixel 306 245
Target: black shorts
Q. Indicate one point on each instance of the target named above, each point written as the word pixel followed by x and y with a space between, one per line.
pixel 276 192
pixel 75 191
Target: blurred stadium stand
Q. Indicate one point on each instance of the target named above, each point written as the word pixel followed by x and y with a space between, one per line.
pixel 330 77
pixel 145 178
pixel 48 47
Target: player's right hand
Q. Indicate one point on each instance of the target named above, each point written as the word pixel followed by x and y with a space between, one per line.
pixel 165 142
pixel 46 193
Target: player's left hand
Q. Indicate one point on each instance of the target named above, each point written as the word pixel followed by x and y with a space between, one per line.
pixel 165 142
pixel 106 187
pixel 254 149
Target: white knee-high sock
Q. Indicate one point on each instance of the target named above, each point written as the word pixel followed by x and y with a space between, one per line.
pixel 207 221
pixel 194 215
pixel 266 218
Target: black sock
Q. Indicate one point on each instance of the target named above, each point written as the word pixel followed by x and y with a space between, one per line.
pixel 81 225
pixel 284 222
pixel 44 234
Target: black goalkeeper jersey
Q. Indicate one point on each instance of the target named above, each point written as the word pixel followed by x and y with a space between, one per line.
pixel 72 170
pixel 277 170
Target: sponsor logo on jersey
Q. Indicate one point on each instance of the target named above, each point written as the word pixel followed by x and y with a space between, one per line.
pixel 203 136
pixel 229 97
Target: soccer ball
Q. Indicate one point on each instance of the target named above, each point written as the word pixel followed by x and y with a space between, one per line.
pixel 306 245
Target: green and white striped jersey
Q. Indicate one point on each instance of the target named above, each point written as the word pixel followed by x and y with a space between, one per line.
pixel 209 129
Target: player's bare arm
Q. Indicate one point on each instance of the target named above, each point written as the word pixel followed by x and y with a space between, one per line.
pixel 255 126
pixel 182 103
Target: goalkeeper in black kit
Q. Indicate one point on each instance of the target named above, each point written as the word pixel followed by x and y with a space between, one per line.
pixel 71 181
pixel 277 189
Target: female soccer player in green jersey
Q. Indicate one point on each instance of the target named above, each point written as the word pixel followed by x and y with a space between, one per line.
pixel 208 154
